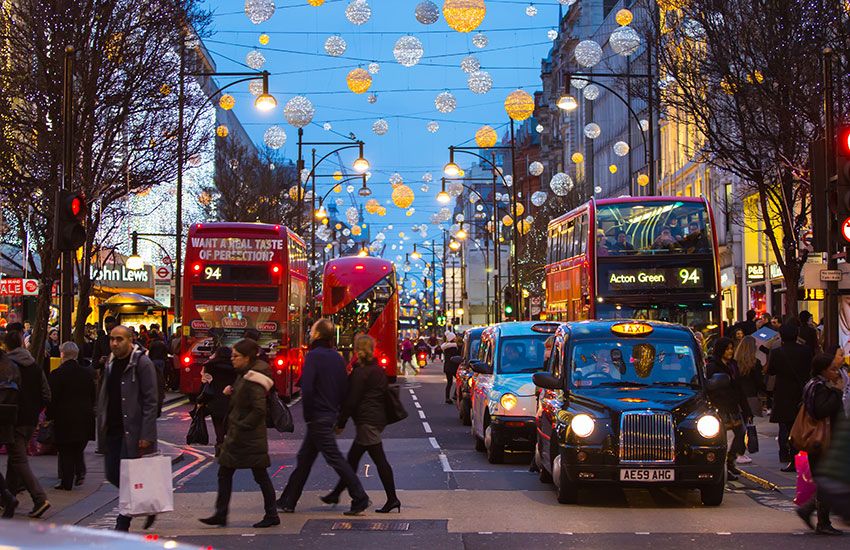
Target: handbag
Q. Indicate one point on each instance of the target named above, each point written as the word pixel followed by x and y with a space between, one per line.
pixel 145 486
pixel 198 433
pixel 277 414
pixel 392 405
pixel 808 434
pixel 805 483
pixel 752 439
pixel 44 433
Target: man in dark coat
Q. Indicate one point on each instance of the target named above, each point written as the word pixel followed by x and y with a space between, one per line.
pixel 808 333
pixel 72 412
pixel 324 384
pixel 790 363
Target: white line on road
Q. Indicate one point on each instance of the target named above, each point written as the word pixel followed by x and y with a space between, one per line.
pixel 434 443
pixel 422 414
pixel 418 406
pixel 444 460
pixel 427 428
pixel 175 405
pixel 410 390
pixel 413 396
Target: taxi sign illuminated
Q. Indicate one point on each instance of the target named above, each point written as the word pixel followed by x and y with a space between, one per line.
pixel 631 329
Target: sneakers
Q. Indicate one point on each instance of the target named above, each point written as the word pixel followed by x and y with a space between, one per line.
pixel 39 509
pixel 743 459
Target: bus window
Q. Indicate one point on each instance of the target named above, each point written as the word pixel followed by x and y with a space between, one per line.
pixel 297 303
pixel 657 227
pixel 568 239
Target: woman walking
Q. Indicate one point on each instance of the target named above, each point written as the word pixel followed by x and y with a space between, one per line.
pixel 10 380
pixel 365 403
pixel 822 401
pixel 218 374
pixel 246 444
pixel 450 350
pixel 752 380
pixel 730 401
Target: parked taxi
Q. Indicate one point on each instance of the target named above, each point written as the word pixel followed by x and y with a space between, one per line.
pixel 504 397
pixel 626 402
pixel 465 375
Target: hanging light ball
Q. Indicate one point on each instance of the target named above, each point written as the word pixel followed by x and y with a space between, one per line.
pixel 530 10
pixel 523 227
pixel 274 137
pixel 454 189
pixel 480 40
pixel 380 127
pixel 356 230
pixel 374 67
pixel 552 34
pixel 479 82
pixel 315 3
pixel 612 168
pixel 337 176
pixel 165 89
pixel 590 92
pixel 470 64
pixel 507 221
pixel 644 124
pixel 519 105
pixel 349 189
pixel 352 216
pixel 372 206
pixel 623 17
pixel 592 130
pixel 535 168
pixel 358 80
pixel 335 46
pixel 256 86
pixel 226 102
pixel 518 210
pixel 445 102
pixel 327 126
pixel 427 177
pixel 643 180
pixel 621 148
pixel 509 181
pixel 424 187
pixel 597 189
pixel 588 53
pixel 403 196
pixel 263 39
pixel 427 12
pixel 408 50
pixel 538 198
pixel 358 12
pixel 579 83
pixel 396 179
pixel 255 59
pixel 539 128
pixel 561 184
pixel 299 111
pixel 433 126
pixel 372 98
pixel 464 15
pixel 577 158
pixel 259 11
pixel 486 137
pixel 624 41
pixel 222 131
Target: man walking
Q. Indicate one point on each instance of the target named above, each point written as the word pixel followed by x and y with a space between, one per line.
pixel 34 394
pixel 126 409
pixel 72 412
pixel 324 385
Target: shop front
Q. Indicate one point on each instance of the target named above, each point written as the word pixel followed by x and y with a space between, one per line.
pixel 113 280
pixel 18 297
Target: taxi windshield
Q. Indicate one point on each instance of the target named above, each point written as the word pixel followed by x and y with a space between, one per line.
pixel 632 362
pixel 521 354
pixel 474 344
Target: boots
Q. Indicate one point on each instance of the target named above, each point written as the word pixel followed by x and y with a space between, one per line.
pixel 10 503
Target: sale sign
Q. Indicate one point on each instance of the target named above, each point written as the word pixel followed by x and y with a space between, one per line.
pixel 18 287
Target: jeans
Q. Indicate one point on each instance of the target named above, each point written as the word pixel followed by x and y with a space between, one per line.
pixel 18 471
pixel 225 489
pixel 114 452
pixel 320 438
pixel 407 366
pixel 786 450
pixel 71 462
pixel 385 471
pixel 450 378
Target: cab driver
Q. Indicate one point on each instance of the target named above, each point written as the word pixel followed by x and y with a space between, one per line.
pixel 602 368
pixel 512 356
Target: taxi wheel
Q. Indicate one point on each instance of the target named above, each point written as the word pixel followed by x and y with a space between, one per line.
pixel 565 490
pixel 479 443
pixel 465 413
pixel 495 451
pixel 544 474
pixel 712 495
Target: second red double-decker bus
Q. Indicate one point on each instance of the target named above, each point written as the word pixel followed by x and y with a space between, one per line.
pixel 244 279
pixel 635 258
pixel 359 294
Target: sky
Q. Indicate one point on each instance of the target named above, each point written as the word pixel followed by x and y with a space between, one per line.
pixel 296 58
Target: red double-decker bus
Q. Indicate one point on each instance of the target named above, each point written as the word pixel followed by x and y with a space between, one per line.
pixel 360 296
pixel 238 277
pixel 635 258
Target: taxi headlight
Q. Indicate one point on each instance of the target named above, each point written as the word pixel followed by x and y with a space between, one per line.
pixel 708 426
pixel 508 401
pixel 582 425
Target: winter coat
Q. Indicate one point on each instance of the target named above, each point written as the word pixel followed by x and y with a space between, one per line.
pixel 72 406
pixel 730 401
pixel 753 382
pixel 324 382
pixel 223 375
pixel 10 376
pixel 34 393
pixel 367 396
pixel 406 350
pixel 246 444
pixel 791 364
pixel 450 350
pixel 809 336
pixel 139 396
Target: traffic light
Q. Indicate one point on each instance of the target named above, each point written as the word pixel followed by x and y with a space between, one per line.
pixel 509 302
pixel 842 185
pixel 509 309
pixel 70 214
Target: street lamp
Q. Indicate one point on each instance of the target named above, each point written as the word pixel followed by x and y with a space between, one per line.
pixel 461 233
pixel 363 252
pixel 451 169
pixel 415 254
pixel 134 261
pixel 265 102
pixel 454 245
pixel 567 103
pixel 443 197
pixel 364 191
pixel 321 213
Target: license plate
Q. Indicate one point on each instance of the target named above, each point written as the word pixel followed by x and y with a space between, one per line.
pixel 646 474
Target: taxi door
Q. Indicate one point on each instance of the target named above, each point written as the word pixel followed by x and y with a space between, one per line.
pixel 483 384
pixel 549 402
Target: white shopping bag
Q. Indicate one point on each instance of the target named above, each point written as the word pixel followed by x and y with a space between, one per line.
pixel 146 486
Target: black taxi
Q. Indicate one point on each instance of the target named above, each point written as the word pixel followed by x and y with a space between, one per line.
pixel 626 402
pixel 464 376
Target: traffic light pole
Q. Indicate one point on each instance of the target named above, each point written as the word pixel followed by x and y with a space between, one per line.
pixel 66 266
pixel 830 321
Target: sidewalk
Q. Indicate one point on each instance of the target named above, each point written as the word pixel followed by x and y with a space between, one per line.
pixel 765 468
pixel 71 507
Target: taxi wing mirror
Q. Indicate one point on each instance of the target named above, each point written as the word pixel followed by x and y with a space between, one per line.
pixel 546 381
pixel 718 381
pixel 480 367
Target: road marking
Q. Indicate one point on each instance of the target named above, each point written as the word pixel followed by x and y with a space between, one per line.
pixel 179 403
pixel 421 414
pixel 413 396
pixel 434 443
pixel 723 533
pixel 444 460
pixel 410 390
pixel 641 532
pixel 418 406
pixel 427 428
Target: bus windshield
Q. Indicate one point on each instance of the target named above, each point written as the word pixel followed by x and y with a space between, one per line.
pixel 596 364
pixel 652 228
pixel 360 314
pixel 699 315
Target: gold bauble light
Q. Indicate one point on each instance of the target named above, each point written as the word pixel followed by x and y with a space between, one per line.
pixel 359 80
pixel 356 230
pixel 577 158
pixel 372 206
pixel 382 211
pixel 464 15
pixel 165 89
pixel 612 168
pixel 337 176
pixel 623 17
pixel 403 196
pixel 264 39
pixel 523 227
pixel 519 105
pixel 227 102
pixel 316 2
pixel 294 192
pixel 486 137
pixel 338 188
pixel 507 221
pixel 520 209
pixel 222 131
pixel 643 180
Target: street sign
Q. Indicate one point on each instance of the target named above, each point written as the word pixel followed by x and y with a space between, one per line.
pixel 163 273
pixel 827 275
pixel 167 260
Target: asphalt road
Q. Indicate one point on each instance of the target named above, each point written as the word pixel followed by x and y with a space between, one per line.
pixel 453 498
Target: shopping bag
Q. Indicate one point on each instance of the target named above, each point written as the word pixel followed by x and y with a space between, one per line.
pixel 394 409
pixel 145 486
pixel 198 433
pixel 752 439
pixel 805 483
pixel 277 414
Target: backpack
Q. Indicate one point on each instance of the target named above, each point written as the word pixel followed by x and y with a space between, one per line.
pixel 277 414
pixel 8 402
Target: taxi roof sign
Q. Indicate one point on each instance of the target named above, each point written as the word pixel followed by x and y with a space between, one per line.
pixel 547 328
pixel 631 329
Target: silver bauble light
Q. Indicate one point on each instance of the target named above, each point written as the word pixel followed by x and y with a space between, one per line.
pixel 299 111
pixel 588 53
pixel 480 40
pixel 255 59
pixel 408 50
pixel 358 12
pixel 592 130
pixel 470 64
pixel 538 198
pixel 561 184
pixel 535 168
pixel 274 137
pixel 259 11
pixel 433 126
pixel 624 41
pixel 445 102
pixel 335 46
pixel 380 127
pixel 621 148
pixel 479 82
pixel 427 12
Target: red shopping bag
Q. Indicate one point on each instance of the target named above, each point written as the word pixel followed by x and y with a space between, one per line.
pixel 805 483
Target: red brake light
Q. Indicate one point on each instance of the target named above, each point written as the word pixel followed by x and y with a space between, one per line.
pixel 280 361
pixel 383 360
pixel 187 359
pixel 196 267
pixel 276 269
pixel 359 267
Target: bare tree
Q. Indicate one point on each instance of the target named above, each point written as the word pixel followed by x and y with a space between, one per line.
pixel 125 116
pixel 747 76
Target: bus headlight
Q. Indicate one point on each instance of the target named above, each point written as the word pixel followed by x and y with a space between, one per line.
pixel 708 426
pixel 508 401
pixel 582 425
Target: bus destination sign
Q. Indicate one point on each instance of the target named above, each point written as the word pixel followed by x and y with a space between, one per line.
pixel 639 279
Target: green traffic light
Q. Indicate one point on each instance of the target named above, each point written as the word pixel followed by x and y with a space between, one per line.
pixel 509 309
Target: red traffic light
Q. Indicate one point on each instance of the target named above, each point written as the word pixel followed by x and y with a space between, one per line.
pixel 845 230
pixel 76 206
pixel 842 142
